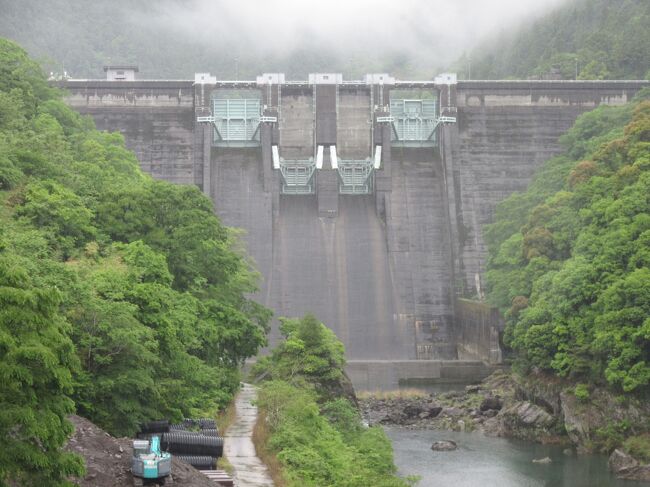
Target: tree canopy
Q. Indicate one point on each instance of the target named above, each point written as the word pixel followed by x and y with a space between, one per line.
pixel 121 297
pixel 582 39
pixel 569 259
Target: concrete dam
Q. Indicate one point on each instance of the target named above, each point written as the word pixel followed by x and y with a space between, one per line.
pixel 362 201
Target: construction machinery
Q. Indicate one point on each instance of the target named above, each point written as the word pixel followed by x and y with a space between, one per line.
pixel 150 465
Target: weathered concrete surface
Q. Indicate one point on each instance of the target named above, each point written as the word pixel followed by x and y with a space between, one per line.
pixel 337 268
pixel 383 271
pixel 156 119
pixel 354 124
pixel 297 123
pixel 478 327
pixel 505 132
pixel 419 254
pixel 378 375
pixel 238 444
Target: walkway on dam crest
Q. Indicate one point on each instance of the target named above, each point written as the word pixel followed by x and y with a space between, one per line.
pixel 238 443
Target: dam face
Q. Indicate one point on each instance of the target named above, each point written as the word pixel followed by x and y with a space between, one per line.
pixel 361 201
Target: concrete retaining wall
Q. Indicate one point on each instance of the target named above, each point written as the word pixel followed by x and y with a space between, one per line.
pixel 377 375
pixel 479 327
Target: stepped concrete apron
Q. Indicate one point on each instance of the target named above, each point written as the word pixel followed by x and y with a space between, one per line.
pixel 238 443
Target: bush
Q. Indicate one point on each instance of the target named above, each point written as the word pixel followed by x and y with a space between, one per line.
pixel 314 451
pixel 311 430
pixel 638 447
pixel 581 391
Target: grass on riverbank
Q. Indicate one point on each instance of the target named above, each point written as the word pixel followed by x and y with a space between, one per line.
pixel 261 435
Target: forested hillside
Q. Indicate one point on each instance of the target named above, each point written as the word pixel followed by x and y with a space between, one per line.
pixel 81 36
pixel 569 259
pixel 121 297
pixel 595 39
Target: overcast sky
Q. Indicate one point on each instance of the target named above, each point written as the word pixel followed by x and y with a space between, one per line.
pixel 443 27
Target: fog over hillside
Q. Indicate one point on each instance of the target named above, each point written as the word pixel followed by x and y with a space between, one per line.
pixel 174 38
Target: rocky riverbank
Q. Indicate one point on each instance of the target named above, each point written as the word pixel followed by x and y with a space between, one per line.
pixel 538 408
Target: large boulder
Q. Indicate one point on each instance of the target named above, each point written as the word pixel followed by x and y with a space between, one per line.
pixel 527 421
pixel 528 414
pixel 444 445
pixel 627 467
pixel 412 410
pixel 430 411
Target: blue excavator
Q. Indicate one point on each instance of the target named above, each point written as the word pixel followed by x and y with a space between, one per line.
pixel 150 465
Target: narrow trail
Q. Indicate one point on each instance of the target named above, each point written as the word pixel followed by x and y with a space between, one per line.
pixel 238 443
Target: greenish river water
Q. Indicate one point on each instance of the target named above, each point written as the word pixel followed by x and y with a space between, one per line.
pixel 482 461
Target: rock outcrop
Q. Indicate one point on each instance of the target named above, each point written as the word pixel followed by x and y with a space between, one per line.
pixel 627 467
pixel 536 408
pixel 527 421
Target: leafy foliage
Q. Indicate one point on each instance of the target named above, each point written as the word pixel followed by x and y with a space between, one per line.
pixel 638 447
pixel 37 361
pixel 568 261
pixel 309 354
pixel 318 438
pixel 121 297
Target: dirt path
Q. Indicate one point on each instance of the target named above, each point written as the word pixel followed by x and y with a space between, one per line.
pixel 238 443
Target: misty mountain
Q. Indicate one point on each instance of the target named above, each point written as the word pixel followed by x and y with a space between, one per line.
pixel 593 39
pixel 240 39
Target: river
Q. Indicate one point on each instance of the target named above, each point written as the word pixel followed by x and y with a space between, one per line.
pixel 482 461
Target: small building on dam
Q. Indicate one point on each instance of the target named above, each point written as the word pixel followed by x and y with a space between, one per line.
pixel 362 201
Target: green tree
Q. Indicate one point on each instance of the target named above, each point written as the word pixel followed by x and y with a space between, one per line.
pixel 569 264
pixel 121 297
pixel 37 360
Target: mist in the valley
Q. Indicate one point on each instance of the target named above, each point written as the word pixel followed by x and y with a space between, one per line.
pixel 243 38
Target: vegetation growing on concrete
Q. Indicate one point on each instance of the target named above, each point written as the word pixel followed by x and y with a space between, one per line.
pixel 311 433
pixel 568 260
pixel 121 297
